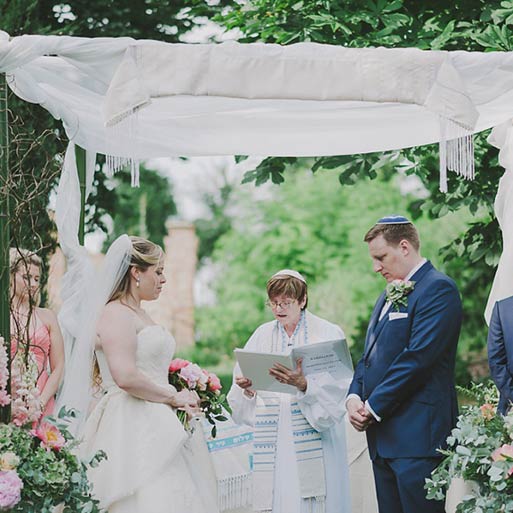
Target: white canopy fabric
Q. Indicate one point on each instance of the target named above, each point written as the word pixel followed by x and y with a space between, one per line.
pixel 162 99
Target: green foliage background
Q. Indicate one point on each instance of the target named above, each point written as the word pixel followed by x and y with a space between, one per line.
pixel 458 229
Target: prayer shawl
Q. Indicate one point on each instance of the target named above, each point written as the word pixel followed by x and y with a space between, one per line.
pixel 309 455
pixel 231 453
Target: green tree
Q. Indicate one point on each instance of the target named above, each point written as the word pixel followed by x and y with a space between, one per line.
pixel 314 226
pixel 474 25
pixel 37 140
pixel 142 210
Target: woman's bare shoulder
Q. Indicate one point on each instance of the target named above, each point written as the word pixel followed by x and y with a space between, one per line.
pixel 46 315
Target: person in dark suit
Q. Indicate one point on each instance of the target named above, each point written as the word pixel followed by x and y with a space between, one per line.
pixel 500 351
pixel 403 392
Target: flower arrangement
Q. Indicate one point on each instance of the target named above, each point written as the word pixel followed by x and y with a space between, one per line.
pixel 39 469
pixel 26 404
pixel 480 449
pixel 187 375
pixel 397 292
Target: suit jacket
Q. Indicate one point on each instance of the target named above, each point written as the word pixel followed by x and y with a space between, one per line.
pixel 407 369
pixel 500 351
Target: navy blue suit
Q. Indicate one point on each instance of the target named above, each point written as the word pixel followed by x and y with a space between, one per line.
pixel 407 376
pixel 500 351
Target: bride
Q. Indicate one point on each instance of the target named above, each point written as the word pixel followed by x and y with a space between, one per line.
pixel 147 468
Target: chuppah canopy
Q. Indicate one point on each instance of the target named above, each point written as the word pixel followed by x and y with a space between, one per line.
pixel 134 100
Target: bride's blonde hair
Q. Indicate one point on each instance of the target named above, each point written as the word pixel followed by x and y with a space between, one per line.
pixel 144 254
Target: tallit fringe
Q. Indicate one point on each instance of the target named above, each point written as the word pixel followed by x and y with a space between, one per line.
pixel 234 492
pixel 456 151
pixel 125 129
pixel 316 504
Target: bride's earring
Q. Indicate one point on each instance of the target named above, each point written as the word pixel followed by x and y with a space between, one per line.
pixel 137 282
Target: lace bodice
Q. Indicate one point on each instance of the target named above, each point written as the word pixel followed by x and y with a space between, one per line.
pixel 155 349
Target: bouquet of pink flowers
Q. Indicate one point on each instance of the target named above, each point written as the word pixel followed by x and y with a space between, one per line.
pixel 187 375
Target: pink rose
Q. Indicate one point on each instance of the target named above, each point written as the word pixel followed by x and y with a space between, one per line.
pixel 50 436
pixel 178 364
pixel 10 489
pixel 214 383
pixel 488 411
pixel 193 374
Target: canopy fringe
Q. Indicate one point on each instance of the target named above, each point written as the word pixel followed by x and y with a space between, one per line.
pixel 456 151
pixel 126 129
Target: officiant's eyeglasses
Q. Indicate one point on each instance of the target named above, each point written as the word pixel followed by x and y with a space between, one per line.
pixel 284 305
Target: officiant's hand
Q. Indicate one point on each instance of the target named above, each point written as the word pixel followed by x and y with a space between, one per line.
pixel 245 384
pixel 296 378
pixel 359 417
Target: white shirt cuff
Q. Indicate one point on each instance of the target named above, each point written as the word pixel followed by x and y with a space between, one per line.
pixel 352 396
pixel 374 414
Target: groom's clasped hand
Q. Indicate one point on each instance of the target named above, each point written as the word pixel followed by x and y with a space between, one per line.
pixel 359 417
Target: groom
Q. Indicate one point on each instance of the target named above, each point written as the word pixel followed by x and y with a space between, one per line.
pixel 403 392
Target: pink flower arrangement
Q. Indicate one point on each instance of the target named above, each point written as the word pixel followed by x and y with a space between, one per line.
pixel 214 383
pixel 10 489
pixel 50 436
pixel 178 364
pixel 488 411
pixel 26 404
pixel 5 398
pixel 184 374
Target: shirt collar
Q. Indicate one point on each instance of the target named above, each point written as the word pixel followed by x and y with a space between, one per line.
pixel 415 269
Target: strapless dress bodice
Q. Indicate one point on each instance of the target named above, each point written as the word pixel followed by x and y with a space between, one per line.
pixel 155 349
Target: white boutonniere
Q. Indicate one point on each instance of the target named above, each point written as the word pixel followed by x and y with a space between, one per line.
pixel 397 292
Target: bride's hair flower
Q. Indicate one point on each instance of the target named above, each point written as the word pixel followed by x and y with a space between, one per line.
pixel 50 436
pixel 10 489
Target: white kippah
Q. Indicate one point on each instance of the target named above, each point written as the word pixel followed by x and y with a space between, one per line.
pixel 289 272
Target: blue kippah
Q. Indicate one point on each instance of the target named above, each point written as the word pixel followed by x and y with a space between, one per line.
pixel 393 219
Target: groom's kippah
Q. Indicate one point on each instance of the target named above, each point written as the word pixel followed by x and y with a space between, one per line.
pixel 393 219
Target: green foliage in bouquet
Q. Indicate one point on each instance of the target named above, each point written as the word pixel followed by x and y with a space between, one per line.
pixel 40 470
pixel 479 450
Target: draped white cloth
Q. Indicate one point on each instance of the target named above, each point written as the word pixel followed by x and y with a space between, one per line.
pixel 323 407
pixel 257 99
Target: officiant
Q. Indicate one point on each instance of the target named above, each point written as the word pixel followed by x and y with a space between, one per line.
pixel 300 461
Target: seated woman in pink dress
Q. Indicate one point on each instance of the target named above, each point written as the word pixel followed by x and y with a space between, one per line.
pixel 34 329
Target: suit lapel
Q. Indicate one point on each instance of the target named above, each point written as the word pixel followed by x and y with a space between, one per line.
pixel 378 326
pixel 371 336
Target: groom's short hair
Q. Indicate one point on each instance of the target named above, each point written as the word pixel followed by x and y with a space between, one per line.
pixel 394 234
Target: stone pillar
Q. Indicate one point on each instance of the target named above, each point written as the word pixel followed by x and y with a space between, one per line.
pixel 175 307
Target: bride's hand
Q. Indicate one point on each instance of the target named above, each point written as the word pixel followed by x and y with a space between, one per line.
pixel 192 412
pixel 185 398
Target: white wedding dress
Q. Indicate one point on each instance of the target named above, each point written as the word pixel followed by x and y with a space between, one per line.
pixel 148 470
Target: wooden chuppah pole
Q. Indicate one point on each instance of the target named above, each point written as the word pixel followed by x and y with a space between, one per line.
pixel 5 329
